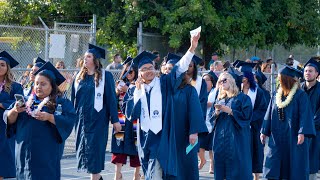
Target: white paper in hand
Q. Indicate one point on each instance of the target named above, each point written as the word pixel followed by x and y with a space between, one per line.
pixel 195 31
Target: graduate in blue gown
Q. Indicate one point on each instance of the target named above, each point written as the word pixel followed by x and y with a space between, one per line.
pixel 187 126
pixel 28 87
pixel 260 105
pixel 41 126
pixel 123 142
pixel 287 123
pixel 261 79
pixel 7 90
pixel 231 116
pixel 156 135
pixel 201 87
pixel 94 98
pixel 312 87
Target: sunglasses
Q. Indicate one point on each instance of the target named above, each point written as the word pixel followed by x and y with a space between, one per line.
pixel 223 81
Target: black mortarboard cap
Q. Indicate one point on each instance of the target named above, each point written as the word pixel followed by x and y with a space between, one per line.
pixel 312 62
pixel 8 59
pixel 234 64
pixel 261 77
pixel 51 71
pixel 144 58
pixel 245 66
pixel 172 58
pixel 215 77
pixel 98 52
pixel 237 76
pixel 197 60
pixel 128 60
pixel 39 62
pixel 291 71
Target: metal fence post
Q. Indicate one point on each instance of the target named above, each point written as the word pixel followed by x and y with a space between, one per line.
pixel 46 52
pixel 93 29
pixel 273 81
pixel 139 33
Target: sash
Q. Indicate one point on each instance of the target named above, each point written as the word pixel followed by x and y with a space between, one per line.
pixel 253 95
pixel 99 91
pixel 198 84
pixel 152 121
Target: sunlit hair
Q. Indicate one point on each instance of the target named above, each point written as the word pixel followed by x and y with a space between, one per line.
pixel 8 77
pixel 233 89
pixel 97 75
pixel 286 83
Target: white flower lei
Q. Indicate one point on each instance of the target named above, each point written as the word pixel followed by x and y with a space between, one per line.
pixel 40 106
pixel 283 104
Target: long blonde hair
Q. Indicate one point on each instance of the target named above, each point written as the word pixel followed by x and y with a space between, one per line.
pixel 233 89
pixel 8 77
pixel 97 75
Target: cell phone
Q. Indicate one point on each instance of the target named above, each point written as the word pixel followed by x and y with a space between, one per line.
pixel 120 84
pixel 20 98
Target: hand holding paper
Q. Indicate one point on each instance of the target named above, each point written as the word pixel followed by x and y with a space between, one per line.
pixel 195 31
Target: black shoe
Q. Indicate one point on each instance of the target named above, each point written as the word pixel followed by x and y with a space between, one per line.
pixel 101 178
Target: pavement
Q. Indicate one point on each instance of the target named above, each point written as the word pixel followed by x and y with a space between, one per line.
pixel 69 170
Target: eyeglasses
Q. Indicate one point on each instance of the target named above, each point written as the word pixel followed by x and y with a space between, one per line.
pixel 223 81
pixel 130 72
pixel 147 69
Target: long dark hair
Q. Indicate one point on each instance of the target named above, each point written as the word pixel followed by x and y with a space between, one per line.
pixel 51 104
pixel 195 71
pixel 123 72
pixel 97 74
pixel 250 77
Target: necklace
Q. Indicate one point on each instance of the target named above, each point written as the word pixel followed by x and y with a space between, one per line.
pixel 286 102
pixel 31 100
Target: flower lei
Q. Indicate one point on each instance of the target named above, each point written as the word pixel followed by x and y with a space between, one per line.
pixel 283 104
pixel 40 106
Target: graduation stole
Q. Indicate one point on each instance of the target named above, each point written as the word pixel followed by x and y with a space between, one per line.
pixel 197 84
pixel 98 98
pixel 152 121
pixel 253 96
pixel 122 120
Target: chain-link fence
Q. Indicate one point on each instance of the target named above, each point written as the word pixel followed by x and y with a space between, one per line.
pixel 66 87
pixel 65 42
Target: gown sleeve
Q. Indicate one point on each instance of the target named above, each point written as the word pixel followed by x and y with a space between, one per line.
pixel 306 125
pixel 16 89
pixel 195 113
pixel 111 98
pixel 203 98
pixel 260 106
pixel 65 120
pixel 266 125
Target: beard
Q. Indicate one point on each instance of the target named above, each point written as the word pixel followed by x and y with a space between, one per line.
pixel 311 80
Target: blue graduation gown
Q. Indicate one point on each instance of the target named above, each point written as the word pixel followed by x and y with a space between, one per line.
pixel 257 148
pixel 203 97
pixel 187 115
pixel 7 167
pixel 231 139
pixel 161 146
pixel 91 127
pixel 314 150
pixel 39 143
pixel 127 146
pixel 286 159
